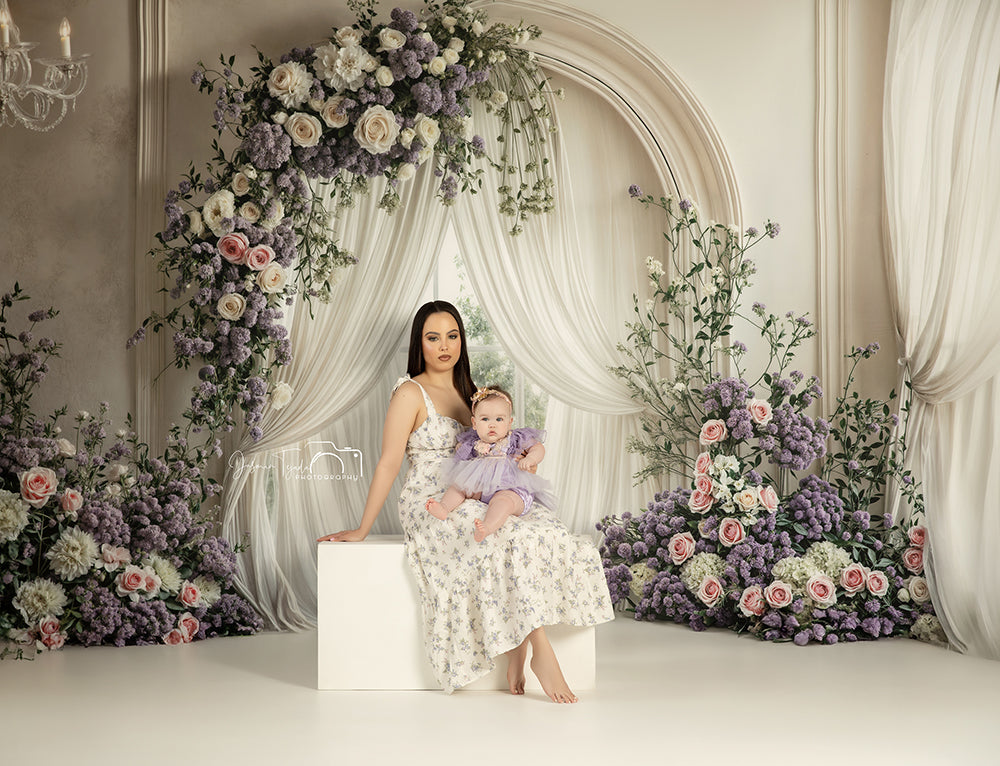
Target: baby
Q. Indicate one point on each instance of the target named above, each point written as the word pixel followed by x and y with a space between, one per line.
pixel 491 464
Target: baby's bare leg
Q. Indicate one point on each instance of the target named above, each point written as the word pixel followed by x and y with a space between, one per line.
pixel 453 497
pixel 503 504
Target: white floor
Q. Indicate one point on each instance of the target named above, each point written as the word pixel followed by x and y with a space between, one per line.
pixel 665 695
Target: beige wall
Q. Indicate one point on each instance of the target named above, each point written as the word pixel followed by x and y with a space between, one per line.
pixel 67 218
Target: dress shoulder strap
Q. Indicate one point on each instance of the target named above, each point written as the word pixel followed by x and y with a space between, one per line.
pixel 427 399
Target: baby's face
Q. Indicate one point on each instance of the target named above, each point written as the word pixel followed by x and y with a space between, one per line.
pixel 492 420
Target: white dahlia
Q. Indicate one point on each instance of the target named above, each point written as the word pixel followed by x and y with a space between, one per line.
pixel 74 554
pixel 13 515
pixel 37 598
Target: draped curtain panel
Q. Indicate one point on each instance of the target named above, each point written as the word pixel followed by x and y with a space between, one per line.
pixel 942 196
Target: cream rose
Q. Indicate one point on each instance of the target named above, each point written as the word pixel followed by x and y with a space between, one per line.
pixel 383 76
pixel 703 463
pixel 66 447
pixel 913 559
pixel 406 136
pixel 752 602
pixel 377 130
pixel 231 306
pixel 240 184
pixel 250 211
pixel 450 56
pixel 699 501
pixel 878 583
pixel 390 39
pixel 217 208
pixel 304 129
pixel 427 130
pixel 259 256
pixel 38 485
pixel 747 499
pixel 760 411
pixel 919 589
pixel 457 44
pixel 290 83
pixel 477 27
pixel 498 98
pixel 731 532
pixel 348 36
pixel 406 171
pixel 769 499
pixel 330 115
pixel 681 547
pixel 710 591
pixel 853 578
pixel 424 154
pixel 712 432
pixel 778 594
pixel 272 279
pixel 821 589
pixel 281 396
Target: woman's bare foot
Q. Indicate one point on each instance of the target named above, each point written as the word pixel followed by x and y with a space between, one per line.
pixel 546 668
pixel 434 508
pixel 515 668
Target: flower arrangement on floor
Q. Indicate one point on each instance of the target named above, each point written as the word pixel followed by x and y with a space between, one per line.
pixel 735 547
pixel 101 542
pixel 373 101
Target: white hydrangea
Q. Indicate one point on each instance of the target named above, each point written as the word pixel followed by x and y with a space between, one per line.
pixel 13 515
pixel 829 558
pixel 641 574
pixel 37 598
pixel 700 566
pixel 170 578
pixel 795 570
pixel 74 554
pixel 928 628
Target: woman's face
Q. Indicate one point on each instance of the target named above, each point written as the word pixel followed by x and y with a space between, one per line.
pixel 492 419
pixel 441 342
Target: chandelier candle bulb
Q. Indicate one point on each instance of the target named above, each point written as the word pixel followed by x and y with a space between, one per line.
pixel 5 21
pixel 64 38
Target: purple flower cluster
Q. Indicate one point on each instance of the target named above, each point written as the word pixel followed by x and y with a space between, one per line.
pixel 816 508
pixel 100 613
pixel 726 394
pixel 230 616
pixel 792 439
pixel 267 146
pixel 217 560
pixel 104 521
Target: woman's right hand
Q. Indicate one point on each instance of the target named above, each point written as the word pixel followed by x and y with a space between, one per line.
pixel 347 536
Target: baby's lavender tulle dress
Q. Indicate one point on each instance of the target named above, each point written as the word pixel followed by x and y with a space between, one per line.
pixel 497 469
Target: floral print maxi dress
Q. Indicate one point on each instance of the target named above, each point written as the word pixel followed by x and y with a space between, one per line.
pixel 480 600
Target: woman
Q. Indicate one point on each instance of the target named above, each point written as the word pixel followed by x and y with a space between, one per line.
pixel 478 600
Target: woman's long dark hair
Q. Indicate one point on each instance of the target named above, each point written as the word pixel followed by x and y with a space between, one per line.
pixel 462 371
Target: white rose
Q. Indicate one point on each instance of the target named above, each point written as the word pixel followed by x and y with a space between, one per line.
pixel 290 83
pixel 231 306
pixel 216 209
pixel 315 104
pixel 250 212
pixel 498 98
pixel 477 27
pixel 348 36
pixel 919 590
pixel 457 44
pixel 424 154
pixel 195 225
pixel 406 136
pixel 272 279
pixel 66 447
pixel 747 499
pixel 449 22
pixel 281 396
pixel 450 56
pixel 406 171
pixel 249 171
pixel 279 118
pixel 383 76
pixel 277 214
pixel 241 184
pixel 427 130
pixel 437 66
pixel 329 113
pixel 377 130
pixel 390 39
pixel 304 129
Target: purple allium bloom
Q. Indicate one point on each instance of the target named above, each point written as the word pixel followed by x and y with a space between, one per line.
pixel 685 205
pixel 817 507
pixel 197 76
pixel 619 579
pixel 634 191
pixel 792 439
pixel 772 229
pixel 752 232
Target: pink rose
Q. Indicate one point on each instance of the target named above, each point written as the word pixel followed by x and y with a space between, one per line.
pixel 54 641
pixel 130 582
pixel 752 601
pixel 188 624
pixel 713 432
pixel 190 594
pixel 821 589
pixel 768 498
pixel 918 536
pixel 699 501
pixel 702 463
pixel 113 556
pixel 731 532
pixel 710 591
pixel 703 483
pixel 233 247
pixel 71 501
pixel 153 582
pixel 681 547
pixel 778 594
pixel 37 486
pixel 258 257
pixel 913 559
pixel 853 578
pixel 48 625
pixel 877 583
pixel 174 637
pixel 760 411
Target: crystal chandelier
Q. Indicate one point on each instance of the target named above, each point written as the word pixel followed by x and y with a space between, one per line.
pixel 37 106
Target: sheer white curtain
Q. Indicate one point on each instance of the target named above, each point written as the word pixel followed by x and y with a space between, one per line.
pixel 339 355
pixel 559 294
pixel 942 170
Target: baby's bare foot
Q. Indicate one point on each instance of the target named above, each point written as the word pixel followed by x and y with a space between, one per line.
pixel 515 668
pixel 546 667
pixel 434 508
pixel 480 534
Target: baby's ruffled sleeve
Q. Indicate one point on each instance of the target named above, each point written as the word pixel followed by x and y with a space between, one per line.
pixel 523 438
pixel 465 449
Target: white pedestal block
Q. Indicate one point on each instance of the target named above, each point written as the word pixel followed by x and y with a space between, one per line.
pixel 369 625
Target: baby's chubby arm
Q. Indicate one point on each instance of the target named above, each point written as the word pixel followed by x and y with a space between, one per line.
pixel 532 457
